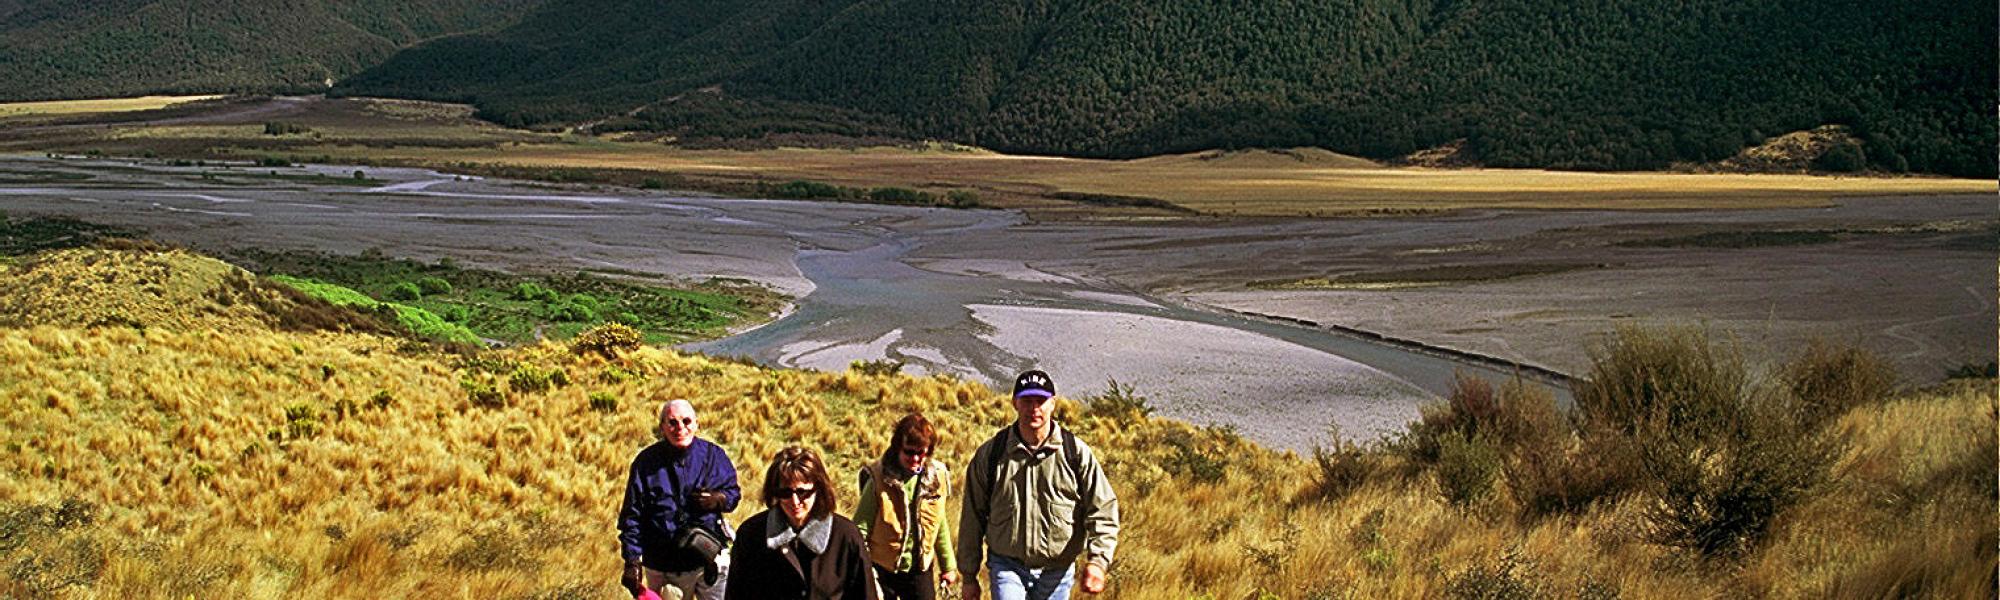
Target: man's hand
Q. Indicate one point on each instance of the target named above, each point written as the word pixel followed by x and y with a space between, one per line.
pixel 950 578
pixel 710 500
pixel 970 589
pixel 634 578
pixel 1093 579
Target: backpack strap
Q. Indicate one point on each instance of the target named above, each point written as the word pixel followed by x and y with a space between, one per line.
pixel 996 451
pixel 1072 456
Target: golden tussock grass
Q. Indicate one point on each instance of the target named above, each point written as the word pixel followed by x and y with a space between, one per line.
pixel 1251 186
pixel 98 105
pixel 258 463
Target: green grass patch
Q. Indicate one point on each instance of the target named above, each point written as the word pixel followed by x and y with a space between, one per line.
pixel 521 308
pixel 415 319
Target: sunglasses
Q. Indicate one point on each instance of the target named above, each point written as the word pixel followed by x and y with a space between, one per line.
pixel 800 493
pixel 683 422
pixel 917 453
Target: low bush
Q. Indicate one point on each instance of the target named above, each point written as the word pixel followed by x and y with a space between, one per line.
pixel 1466 467
pixel 572 312
pixel 533 292
pixel 1722 458
pixel 606 340
pixel 1119 402
pixel 535 379
pixel 1343 467
pixel 896 195
pixel 434 286
pixel 604 402
pixel 1508 579
pixel 405 292
pixel 301 421
pixel 482 392
pixel 881 367
pixel 1828 380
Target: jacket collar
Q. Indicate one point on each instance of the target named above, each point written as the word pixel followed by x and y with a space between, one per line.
pixel 814 536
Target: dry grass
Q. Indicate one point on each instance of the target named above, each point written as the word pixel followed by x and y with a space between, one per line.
pixel 100 105
pixel 1250 186
pixel 193 461
pixel 1297 182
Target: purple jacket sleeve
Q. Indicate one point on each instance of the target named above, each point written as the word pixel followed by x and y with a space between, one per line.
pixel 721 477
pixel 628 518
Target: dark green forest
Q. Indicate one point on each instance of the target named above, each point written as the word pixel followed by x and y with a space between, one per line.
pixel 1624 84
pixel 1614 85
pixel 63 49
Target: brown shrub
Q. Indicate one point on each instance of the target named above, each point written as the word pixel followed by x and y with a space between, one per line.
pixel 1830 379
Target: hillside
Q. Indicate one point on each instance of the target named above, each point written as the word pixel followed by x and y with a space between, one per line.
pixel 1524 83
pixel 176 454
pixel 61 49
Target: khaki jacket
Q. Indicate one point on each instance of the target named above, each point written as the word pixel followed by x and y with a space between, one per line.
pixel 883 514
pixel 1038 514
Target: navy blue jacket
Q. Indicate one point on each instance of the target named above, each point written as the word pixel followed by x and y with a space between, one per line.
pixel 659 500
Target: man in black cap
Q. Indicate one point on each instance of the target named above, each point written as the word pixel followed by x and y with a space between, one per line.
pixel 1031 469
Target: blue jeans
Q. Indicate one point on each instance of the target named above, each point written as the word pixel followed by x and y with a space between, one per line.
pixel 1014 581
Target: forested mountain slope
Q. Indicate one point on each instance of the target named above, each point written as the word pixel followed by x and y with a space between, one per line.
pixel 1615 85
pixel 59 49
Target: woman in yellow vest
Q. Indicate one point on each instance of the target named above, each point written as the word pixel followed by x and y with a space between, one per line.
pixel 901 515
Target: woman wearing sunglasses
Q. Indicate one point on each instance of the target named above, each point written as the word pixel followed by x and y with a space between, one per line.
pixel 797 547
pixel 901 514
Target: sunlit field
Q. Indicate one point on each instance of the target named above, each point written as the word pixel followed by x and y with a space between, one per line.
pixel 199 447
pixel 1298 182
pixel 100 105
pixel 1266 184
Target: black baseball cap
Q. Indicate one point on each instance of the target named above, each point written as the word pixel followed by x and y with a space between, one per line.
pixel 1034 383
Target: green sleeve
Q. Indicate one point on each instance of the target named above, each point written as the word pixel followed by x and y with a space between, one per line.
pixel 866 509
pixel 947 560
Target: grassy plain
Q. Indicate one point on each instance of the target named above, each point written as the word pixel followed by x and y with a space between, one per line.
pixel 10 110
pixel 208 454
pixel 1299 182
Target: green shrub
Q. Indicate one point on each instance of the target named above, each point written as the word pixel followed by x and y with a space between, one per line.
pixel 1118 402
pixel 1842 158
pixel 381 399
pixel 882 367
pixel 1203 457
pixel 301 421
pixel 482 392
pixel 534 379
pixel 896 195
pixel 434 286
pixel 453 313
pixel 1828 379
pixel 1466 467
pixel 962 198
pixel 284 128
pixel 805 190
pixel 406 292
pixel 607 340
pixel 572 312
pixel 528 291
pixel 603 402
